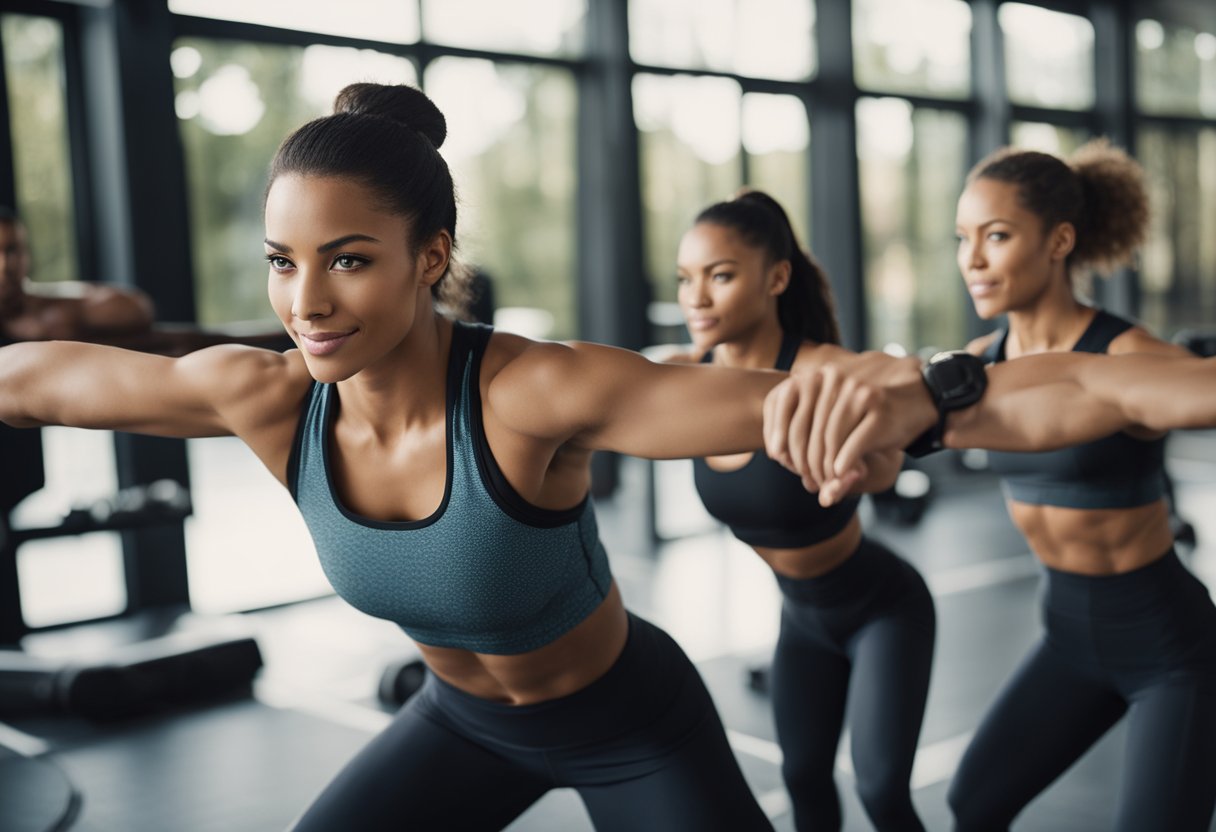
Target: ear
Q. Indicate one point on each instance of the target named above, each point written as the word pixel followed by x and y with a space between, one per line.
pixel 1063 240
pixel 779 277
pixel 433 257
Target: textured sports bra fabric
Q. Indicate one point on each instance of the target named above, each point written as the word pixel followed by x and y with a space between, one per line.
pixel 1117 471
pixel 763 503
pixel 488 571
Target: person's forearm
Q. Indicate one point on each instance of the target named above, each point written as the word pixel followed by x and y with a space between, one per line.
pixel 19 368
pixel 1158 392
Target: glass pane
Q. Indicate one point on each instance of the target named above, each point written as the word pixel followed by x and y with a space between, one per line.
pixel 913 46
pixel 776 138
pixel 512 153
pixel 1176 68
pixel 1048 138
pixel 71 578
pixel 758 38
pixel 911 172
pixel 395 21
pixel 689 143
pixel 235 103
pixel 538 27
pixel 33 62
pixel 1178 269
pixel 246 543
pixel 1049 57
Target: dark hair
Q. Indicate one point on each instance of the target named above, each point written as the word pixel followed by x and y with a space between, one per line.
pixel 7 214
pixel 806 306
pixel 386 138
pixel 1099 189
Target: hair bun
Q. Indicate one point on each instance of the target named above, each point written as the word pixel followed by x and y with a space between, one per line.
pixel 403 104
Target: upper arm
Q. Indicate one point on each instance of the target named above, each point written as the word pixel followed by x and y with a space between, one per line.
pixel 206 393
pixel 1139 340
pixel 107 308
pixel 607 398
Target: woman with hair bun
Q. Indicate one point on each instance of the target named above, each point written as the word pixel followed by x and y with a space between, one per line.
pixel 1129 631
pixel 443 471
pixel 857 621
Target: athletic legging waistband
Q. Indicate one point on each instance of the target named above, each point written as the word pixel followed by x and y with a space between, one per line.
pixel 1152 587
pixel 639 688
pixel 872 573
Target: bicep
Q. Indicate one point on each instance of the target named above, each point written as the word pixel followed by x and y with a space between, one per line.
pixel 92 386
pixel 612 399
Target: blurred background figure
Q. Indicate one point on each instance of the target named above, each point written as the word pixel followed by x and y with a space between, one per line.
pixel 64 310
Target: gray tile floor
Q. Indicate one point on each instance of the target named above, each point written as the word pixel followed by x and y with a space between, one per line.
pixel 253 765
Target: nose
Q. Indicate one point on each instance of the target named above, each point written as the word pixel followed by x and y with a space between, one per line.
pixel 697 293
pixel 972 256
pixel 311 300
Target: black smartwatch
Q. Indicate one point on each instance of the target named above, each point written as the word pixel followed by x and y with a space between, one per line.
pixel 956 379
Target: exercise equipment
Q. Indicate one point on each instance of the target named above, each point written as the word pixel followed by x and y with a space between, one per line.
pixel 400 680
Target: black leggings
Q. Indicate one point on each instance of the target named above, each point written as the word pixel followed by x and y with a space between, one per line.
pixel 858 639
pixel 1141 643
pixel 642 745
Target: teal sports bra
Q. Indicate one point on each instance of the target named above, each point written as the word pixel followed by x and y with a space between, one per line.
pixel 488 571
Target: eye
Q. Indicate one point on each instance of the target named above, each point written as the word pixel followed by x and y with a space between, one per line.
pixel 278 262
pixel 722 277
pixel 349 262
pixel 682 280
pixel 998 236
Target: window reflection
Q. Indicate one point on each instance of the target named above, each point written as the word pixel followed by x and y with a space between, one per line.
pixel 1047 138
pixel 33 63
pixel 758 38
pixel 235 103
pixel 1175 68
pixel 689 142
pixel 1049 57
pixel 913 46
pixel 1178 269
pixel 395 21
pixel 911 172
pixel 512 153
pixel 538 27
pixel 776 139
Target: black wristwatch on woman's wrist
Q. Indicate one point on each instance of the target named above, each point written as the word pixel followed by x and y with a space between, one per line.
pixel 956 379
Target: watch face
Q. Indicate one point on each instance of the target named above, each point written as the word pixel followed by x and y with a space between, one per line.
pixel 958 379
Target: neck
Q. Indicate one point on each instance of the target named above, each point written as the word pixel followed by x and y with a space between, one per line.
pixel 1051 323
pixel 406 388
pixel 755 350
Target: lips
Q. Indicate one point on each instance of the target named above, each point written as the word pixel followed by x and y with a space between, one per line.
pixel 982 288
pixel 699 324
pixel 324 343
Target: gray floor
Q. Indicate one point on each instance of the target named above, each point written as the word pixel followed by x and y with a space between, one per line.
pixel 252 764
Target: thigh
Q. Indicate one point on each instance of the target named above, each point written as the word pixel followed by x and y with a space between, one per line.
pixel 1044 719
pixel 892 663
pixel 1169 778
pixel 810 684
pixel 418 774
pixel 695 787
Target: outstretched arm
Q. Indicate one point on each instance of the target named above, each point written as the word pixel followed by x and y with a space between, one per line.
pixel 1034 403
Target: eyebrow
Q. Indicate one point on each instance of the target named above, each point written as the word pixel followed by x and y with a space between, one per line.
pixel 324 247
pixel 987 223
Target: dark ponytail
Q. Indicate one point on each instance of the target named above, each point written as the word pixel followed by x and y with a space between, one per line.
pixel 806 307
pixel 386 138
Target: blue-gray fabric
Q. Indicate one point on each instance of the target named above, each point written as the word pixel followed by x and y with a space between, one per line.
pixel 1117 471
pixel 765 504
pixel 487 571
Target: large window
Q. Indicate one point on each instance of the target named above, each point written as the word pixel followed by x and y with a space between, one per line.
pixel 33 63
pixel 1047 138
pixel 911 171
pixel 235 103
pixel 755 38
pixel 1178 272
pixel 1049 57
pixel 511 149
pixel 395 21
pixel 1176 68
pixel 913 46
pixel 534 27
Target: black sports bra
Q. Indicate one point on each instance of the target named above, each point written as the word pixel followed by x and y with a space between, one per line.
pixel 1117 471
pixel 763 503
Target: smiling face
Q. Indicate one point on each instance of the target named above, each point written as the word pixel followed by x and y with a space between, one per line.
pixel 344 278
pixel 1008 260
pixel 726 288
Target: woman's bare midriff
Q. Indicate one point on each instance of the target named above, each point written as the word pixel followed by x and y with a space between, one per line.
pixel 816 559
pixel 1094 541
pixel 558 669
